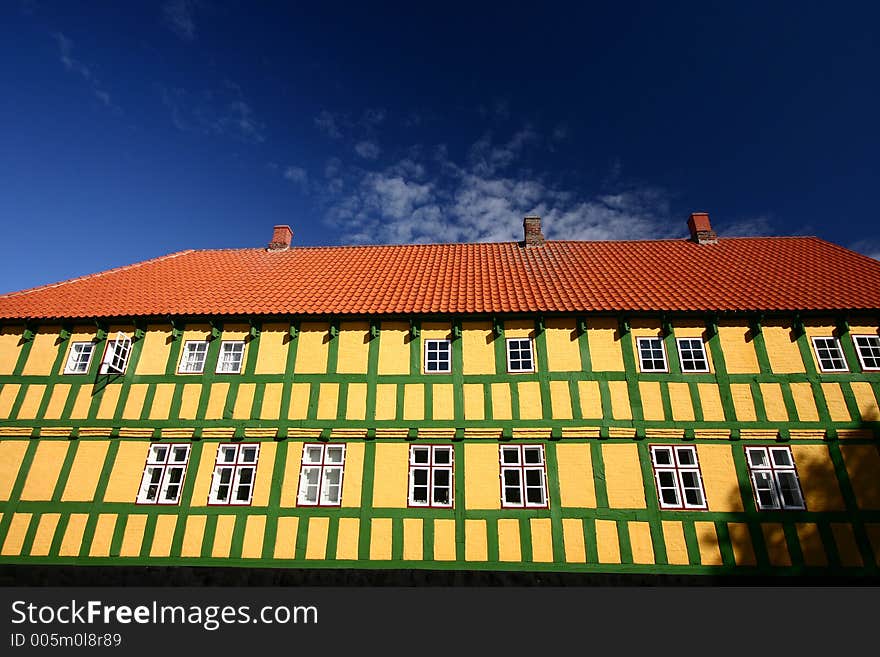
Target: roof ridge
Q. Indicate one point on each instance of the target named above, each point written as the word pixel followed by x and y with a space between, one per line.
pixel 104 272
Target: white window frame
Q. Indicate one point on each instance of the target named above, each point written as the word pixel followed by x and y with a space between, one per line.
pixel 158 473
pixel 868 336
pixel 433 468
pixel 116 354
pixel 639 341
pixel 189 361
pixel 75 358
pixel 678 469
pixel 234 459
pixel 448 369
pixel 521 468
pixel 508 344
pixel 228 346
pixel 681 359
pixel 323 468
pixel 835 344
pixel 772 474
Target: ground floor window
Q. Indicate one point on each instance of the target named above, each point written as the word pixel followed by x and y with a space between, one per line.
pixel 523 476
pixel 430 475
pixel 320 476
pixel 162 481
pixel 677 473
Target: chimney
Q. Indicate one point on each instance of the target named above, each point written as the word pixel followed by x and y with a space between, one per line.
pixel 532 229
pixel 281 237
pixel 701 229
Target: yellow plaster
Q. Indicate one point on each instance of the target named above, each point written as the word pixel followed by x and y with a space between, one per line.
pixel 73 535
pixel 591 399
pixel 623 476
pixel 862 466
pixel 719 477
pixel 640 541
pixel 85 471
pixel 774 404
pixel 413 533
pixel 285 537
pixel 413 401
pixel 11 455
pixel 560 400
pixel 607 543
pixel 328 401
pixel 811 544
pixel 444 539
pixel 223 536
pixel 620 406
pixel 356 402
pixel 743 403
pixel 133 538
pixel 676 548
pixel 290 487
pixel 44 535
pixel 155 350
pixel 189 401
pixel 604 342
pixel 103 535
pixel 777 546
pixel 575 468
pixel 473 401
pixel 162 401
pixel 244 401
pixel 738 348
pixel 7 398
pixel 354 347
pixel 312 348
pixel 394 348
pixel 478 348
pixel 10 348
pixel 43 352
pixel 347 538
pixel 193 536
pixel 164 535
pixel 31 402
pixel 128 469
pixel 680 400
pixel 134 404
pixel 272 348
pixel 44 470
pixel 386 401
pixel 205 473
pixel 217 401
pixel 741 541
pixel 299 401
pixel 542 540
pixel 15 534
pixel 353 474
pixel 444 402
pixel 573 540
pixel 109 401
pixel 782 348
pixel 710 402
pixel 482 484
pixel 707 541
pixel 501 408
pixel 652 402
pixel 380 539
pixel 804 402
pixel 508 540
pixel 865 400
pixel 254 531
pixel 390 477
pixel 563 352
pixel 475 544
pixel 818 480
pixel 263 477
pixel 83 402
pixel 835 402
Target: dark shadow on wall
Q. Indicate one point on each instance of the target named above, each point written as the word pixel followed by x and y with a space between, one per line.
pixel 828 539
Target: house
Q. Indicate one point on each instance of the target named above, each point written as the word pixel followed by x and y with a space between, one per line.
pixel 695 406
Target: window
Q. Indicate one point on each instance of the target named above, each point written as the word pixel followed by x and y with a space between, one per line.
pixel 163 477
pixel 320 478
pixel 430 475
pixel 234 470
pixel 519 355
pixel 116 356
pixel 80 357
pixel 652 355
pixel 231 356
pixel 192 361
pixel 829 354
pixel 868 348
pixel 774 478
pixel 692 355
pixel 438 357
pixel 523 481
pixel 679 485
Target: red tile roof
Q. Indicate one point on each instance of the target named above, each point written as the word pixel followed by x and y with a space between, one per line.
pixel 736 274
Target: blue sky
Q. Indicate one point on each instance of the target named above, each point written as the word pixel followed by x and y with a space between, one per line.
pixel 132 130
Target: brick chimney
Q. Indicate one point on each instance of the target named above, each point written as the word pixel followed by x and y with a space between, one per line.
pixel 281 237
pixel 532 230
pixel 701 229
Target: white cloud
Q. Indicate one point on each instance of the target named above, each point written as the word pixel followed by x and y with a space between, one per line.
pixel 369 150
pixel 870 248
pixel 75 66
pixel 218 112
pixel 178 17
pixel 296 175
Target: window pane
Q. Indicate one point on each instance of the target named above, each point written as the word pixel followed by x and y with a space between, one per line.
pixel 441 477
pixel 334 454
pixel 420 477
pixel 533 455
pixel 249 454
pixel 158 453
pixel 510 455
pixel 686 456
pixel 669 496
pixel 534 477
pixel 313 454
pixel 511 477
pixel 662 455
pixel 512 495
pixel 442 455
pixel 420 494
pixel 758 457
pixel 790 491
pixel 535 495
pixel 781 457
pixel 421 455
pixel 227 454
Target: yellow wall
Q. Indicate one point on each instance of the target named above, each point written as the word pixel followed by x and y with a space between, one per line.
pixel 43 352
pixel 863 465
pixel 354 347
pixel 10 336
pixel 85 471
pixel 575 468
pixel 738 348
pixel 155 350
pixel 563 353
pixel 272 352
pixel 623 476
pixel 11 455
pixel 125 477
pixel 312 347
pixel 818 480
pixel 390 475
pixel 394 348
pixel 45 468
pixel 782 348
pixel 478 348
pixel 604 342
pixel 482 484
pixel 719 477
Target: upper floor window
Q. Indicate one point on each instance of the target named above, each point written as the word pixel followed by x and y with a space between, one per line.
pixel 692 355
pixel 162 481
pixel 234 474
pixel 80 357
pixel 677 472
pixel 231 357
pixel 829 354
pixel 430 475
pixel 868 349
pixel 774 478
pixel 116 355
pixel 320 476
pixel 192 360
pixel 519 355
pixel 438 357
pixel 523 480
pixel 652 355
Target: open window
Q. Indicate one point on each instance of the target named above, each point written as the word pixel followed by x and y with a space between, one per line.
pixel 116 355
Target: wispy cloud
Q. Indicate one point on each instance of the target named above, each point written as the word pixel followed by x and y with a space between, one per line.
pixel 329 123
pixel 77 67
pixel 214 111
pixel 369 150
pixel 748 227
pixel 178 16
pixel 428 196
pixel 298 176
pixel 870 248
